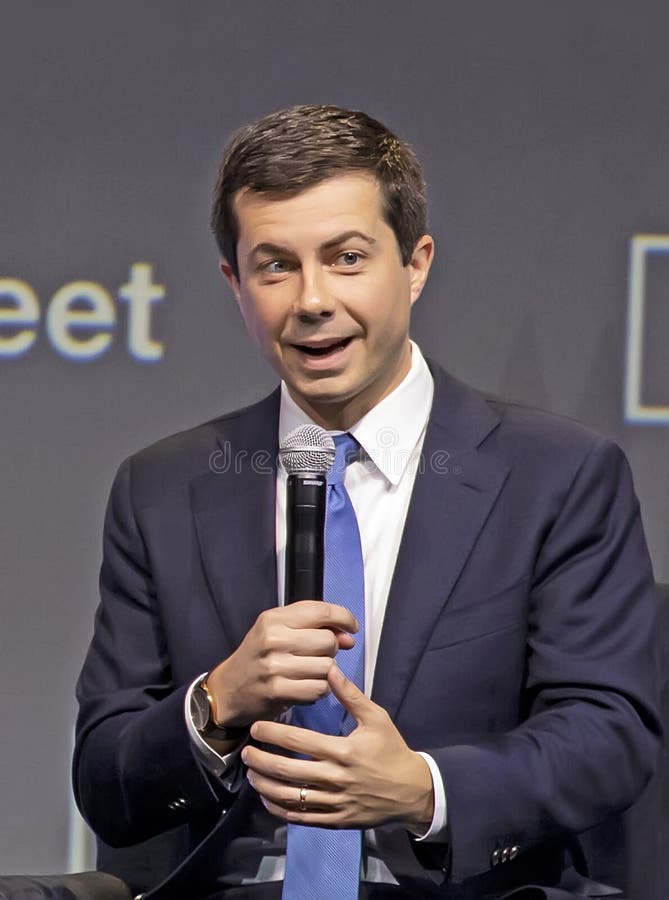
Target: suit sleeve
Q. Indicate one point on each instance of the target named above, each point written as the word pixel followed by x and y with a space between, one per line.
pixel 134 771
pixel 590 734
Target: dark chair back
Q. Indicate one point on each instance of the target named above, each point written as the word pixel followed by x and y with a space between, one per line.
pixel 83 886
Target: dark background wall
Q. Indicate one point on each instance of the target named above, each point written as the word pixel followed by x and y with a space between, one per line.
pixel 543 128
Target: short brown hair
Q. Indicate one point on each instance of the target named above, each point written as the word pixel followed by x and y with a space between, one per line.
pixel 293 149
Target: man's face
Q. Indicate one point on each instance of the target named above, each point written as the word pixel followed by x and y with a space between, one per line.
pixel 324 294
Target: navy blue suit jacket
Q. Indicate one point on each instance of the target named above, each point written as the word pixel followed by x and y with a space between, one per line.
pixel 516 646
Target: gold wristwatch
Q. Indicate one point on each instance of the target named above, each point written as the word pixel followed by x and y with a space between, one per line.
pixel 203 714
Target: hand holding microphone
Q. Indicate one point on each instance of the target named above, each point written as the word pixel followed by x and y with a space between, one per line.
pixel 369 776
pixel 287 654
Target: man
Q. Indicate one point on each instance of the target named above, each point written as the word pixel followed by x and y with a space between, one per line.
pixel 506 622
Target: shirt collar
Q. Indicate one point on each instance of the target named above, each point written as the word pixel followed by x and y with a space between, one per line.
pixel 390 432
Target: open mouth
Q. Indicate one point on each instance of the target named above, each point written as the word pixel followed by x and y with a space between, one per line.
pixel 323 349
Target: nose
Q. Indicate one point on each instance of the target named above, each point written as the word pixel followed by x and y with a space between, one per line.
pixel 313 300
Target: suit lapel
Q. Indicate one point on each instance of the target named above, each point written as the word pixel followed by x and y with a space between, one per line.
pixel 454 491
pixel 234 509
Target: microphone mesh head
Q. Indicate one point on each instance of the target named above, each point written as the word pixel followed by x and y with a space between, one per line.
pixel 308 448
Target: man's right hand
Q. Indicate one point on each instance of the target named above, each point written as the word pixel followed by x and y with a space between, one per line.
pixel 283 660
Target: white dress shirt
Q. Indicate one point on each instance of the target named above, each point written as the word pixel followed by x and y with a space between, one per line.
pixel 379 485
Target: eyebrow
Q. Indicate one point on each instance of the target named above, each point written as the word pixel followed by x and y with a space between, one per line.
pixel 346 236
pixel 271 249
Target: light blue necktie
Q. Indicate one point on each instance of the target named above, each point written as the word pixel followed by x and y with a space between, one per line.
pixel 324 863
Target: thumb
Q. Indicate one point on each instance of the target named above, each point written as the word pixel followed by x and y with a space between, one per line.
pixel 350 696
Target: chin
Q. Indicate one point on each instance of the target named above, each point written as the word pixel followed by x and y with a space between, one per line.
pixel 322 398
pixel 330 389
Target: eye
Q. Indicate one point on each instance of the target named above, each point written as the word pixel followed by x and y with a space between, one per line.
pixel 349 258
pixel 275 266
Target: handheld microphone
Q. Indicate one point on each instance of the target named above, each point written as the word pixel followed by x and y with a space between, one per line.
pixel 307 453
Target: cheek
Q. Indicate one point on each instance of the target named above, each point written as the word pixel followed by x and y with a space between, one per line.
pixel 262 319
pixel 389 317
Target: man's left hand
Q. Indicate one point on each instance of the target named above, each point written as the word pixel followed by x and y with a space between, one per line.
pixel 364 779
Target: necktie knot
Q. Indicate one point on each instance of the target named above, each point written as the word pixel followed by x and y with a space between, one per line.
pixel 346 450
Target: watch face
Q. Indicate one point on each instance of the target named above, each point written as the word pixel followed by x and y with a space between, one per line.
pixel 199 708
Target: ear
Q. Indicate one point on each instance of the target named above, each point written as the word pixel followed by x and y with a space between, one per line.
pixel 230 276
pixel 419 265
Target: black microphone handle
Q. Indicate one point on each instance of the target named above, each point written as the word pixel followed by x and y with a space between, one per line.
pixel 305 536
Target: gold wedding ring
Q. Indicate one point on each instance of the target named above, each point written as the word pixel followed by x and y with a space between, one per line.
pixel 303 799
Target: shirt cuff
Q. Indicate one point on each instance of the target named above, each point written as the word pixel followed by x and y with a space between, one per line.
pixel 228 768
pixel 437 830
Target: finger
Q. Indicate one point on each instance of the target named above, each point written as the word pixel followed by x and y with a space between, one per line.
pixel 295 689
pixel 291 771
pixel 345 640
pixel 288 796
pixel 285 769
pixel 293 665
pixel 320 818
pixel 297 740
pixel 363 710
pixel 318 614
pixel 315 641
pixel 309 642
